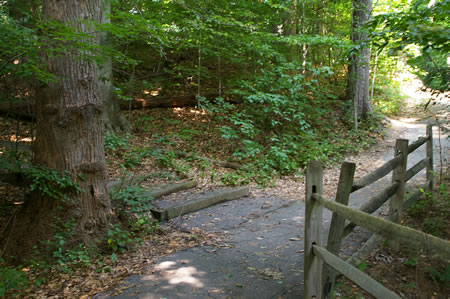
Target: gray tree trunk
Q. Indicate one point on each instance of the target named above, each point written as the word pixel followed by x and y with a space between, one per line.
pixel 112 117
pixel 69 134
pixel 304 49
pixel 69 137
pixel 359 66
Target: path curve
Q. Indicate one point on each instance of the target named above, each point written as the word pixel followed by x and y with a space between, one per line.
pixel 260 253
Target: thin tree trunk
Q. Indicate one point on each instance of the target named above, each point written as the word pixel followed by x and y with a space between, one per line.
pixel 112 118
pixel 219 65
pixel 374 75
pixel 304 50
pixel 199 68
pixel 359 67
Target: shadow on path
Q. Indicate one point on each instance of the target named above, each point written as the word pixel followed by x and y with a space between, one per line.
pixel 262 255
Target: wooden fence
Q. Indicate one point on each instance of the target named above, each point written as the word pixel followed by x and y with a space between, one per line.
pixel 322 265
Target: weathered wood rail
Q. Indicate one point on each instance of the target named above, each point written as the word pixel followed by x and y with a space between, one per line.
pixel 323 264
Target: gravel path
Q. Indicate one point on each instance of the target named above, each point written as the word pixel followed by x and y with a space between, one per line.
pixel 260 252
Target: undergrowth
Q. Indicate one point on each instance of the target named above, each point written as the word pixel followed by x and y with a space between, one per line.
pixel 262 161
pixel 269 135
pixel 63 254
pixel 387 97
pixel 412 272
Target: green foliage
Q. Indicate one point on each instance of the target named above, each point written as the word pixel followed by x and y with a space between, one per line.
pixel 118 240
pixel 12 280
pixel 19 49
pixel 434 225
pixel 187 135
pixel 135 156
pixel 51 183
pixel 433 209
pixel 13 160
pixel 274 121
pixel 133 204
pixel 175 46
pixel 387 95
pixel 442 277
pixel 363 266
pixel 59 252
pixel 133 199
pixel 145 123
pixel 114 143
pixel 422 30
pixel 411 262
pixel 412 285
pixel 165 158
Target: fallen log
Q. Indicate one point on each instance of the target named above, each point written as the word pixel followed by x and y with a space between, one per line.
pixel 200 202
pixel 153 193
pixel 25 110
pixel 21 146
pixel 169 189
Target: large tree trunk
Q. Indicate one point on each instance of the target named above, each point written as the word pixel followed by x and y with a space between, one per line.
pixel 69 137
pixel 359 66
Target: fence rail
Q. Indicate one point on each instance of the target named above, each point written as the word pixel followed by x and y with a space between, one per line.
pixel 388 229
pixel 322 265
pixel 359 277
pixel 377 174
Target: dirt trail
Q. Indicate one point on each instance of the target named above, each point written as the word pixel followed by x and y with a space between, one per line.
pixel 260 251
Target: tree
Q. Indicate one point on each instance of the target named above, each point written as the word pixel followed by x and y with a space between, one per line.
pixel 69 135
pixel 359 66
pixel 112 118
pixel 420 30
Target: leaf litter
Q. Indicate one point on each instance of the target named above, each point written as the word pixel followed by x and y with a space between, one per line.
pixel 86 281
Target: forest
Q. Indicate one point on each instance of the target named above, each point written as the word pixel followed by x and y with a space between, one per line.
pixel 102 99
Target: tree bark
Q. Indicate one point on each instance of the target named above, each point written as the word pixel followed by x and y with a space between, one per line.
pixel 112 118
pixel 304 49
pixel 359 66
pixel 69 137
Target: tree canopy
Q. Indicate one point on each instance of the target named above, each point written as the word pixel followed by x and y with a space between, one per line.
pixel 277 79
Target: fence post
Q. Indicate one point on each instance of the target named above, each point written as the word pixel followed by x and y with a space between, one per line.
pixel 398 175
pixel 337 224
pixel 430 155
pixel 313 227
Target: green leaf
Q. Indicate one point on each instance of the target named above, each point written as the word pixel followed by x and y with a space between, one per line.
pixel 114 257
